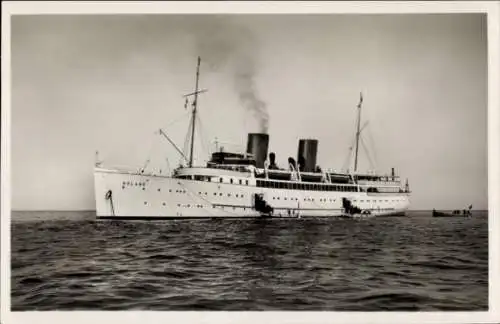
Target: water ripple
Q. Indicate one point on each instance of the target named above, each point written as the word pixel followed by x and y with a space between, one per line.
pixel 68 261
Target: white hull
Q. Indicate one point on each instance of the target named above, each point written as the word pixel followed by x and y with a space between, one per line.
pixel 150 196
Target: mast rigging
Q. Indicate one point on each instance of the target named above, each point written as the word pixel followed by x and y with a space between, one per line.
pixel 173 144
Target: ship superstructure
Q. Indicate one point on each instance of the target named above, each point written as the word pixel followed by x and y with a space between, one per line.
pixel 248 184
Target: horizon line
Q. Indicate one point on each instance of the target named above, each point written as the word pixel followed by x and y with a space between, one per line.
pixel 93 210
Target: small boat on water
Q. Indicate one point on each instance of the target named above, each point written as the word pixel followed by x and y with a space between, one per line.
pixel 455 213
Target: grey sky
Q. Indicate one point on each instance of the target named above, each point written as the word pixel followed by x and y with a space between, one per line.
pixel 107 83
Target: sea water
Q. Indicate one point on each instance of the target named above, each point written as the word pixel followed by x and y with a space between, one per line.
pixel 70 261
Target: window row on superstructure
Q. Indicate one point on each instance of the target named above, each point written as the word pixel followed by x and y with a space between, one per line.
pixel 291 185
pixel 305 186
pixel 215 179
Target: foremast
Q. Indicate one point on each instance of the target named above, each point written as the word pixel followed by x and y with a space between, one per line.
pixel 194 110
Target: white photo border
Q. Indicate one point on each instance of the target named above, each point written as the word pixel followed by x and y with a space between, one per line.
pixel 491 8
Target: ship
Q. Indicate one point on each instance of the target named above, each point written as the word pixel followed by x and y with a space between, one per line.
pixel 236 184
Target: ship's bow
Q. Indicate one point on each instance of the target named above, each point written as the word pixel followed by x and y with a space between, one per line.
pixel 103 195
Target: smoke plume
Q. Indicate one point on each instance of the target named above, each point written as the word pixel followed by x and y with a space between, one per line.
pixel 225 45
